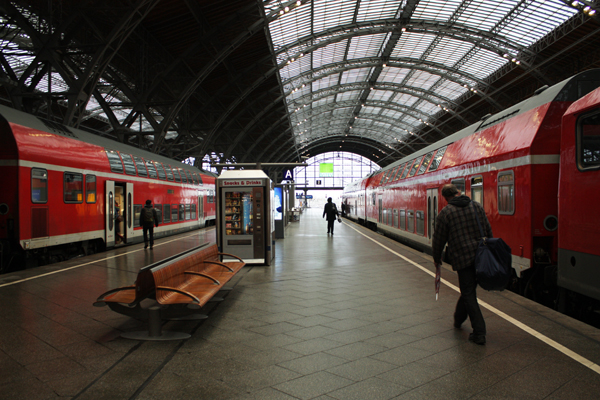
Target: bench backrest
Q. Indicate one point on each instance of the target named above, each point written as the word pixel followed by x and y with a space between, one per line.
pixel 172 273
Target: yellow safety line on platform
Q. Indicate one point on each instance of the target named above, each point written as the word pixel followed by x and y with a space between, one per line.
pixel 569 353
pixel 91 262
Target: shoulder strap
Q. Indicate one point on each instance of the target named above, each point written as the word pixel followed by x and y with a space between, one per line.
pixel 477 218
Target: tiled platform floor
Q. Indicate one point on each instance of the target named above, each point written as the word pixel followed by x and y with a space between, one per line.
pixel 333 318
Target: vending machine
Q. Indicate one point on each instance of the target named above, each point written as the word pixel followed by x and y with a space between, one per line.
pixel 244 215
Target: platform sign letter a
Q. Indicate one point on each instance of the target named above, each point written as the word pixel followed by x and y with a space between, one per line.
pixel 288 174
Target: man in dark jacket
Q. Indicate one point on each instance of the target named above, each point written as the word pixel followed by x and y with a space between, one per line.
pixel 457 225
pixel 332 213
pixel 148 220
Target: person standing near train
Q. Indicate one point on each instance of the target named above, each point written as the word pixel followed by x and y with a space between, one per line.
pixel 457 225
pixel 332 214
pixel 148 220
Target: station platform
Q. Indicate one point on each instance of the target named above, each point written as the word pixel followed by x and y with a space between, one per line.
pixel 348 316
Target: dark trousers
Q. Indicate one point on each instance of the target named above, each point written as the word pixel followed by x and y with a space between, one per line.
pixel 467 302
pixel 330 225
pixel 148 229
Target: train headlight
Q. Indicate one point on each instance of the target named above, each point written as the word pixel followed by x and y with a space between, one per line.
pixel 3 209
pixel 551 223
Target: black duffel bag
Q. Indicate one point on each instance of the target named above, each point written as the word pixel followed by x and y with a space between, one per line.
pixel 493 261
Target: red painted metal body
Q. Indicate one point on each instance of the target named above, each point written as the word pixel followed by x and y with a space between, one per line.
pixel 52 221
pixel 518 150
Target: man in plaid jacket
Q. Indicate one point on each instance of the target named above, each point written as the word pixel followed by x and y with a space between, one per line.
pixel 456 225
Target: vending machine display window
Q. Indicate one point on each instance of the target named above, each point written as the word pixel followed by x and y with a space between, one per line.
pixel 238 213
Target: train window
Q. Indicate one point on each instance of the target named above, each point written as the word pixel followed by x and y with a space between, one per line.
pixel 420 222
pixel 210 198
pixel 407 169
pixel 195 178
pixel 181 212
pixel 141 166
pixel 437 160
pixel 161 171
pixel 506 193
pixel 73 187
pixel 174 212
pixel 399 171
pixel 477 189
pixel 176 175
pixel 588 142
pixel 189 175
pixel 166 213
pixel 395 221
pixel 169 172
pixel 425 163
pixel 183 176
pixel 151 169
pixel 188 212
pixel 460 184
pixel 129 165
pixel 194 211
pixel 90 188
pixel 39 185
pixel 115 161
pixel 137 211
pixel 415 167
pixel 158 208
pixel 402 219
pixel 199 178
pixel 410 220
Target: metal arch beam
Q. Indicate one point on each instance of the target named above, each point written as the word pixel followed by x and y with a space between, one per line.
pixel 381 146
pixel 103 56
pixel 325 141
pixel 407 63
pixel 415 113
pixel 201 75
pixel 388 86
pixel 477 37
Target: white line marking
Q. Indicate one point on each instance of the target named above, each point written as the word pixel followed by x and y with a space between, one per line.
pixel 91 262
pixel 569 353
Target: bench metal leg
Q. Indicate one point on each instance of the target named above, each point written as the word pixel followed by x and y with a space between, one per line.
pixel 155 329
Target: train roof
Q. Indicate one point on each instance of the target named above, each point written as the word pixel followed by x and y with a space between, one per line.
pixel 568 90
pixel 27 120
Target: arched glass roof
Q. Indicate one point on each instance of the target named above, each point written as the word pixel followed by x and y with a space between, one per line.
pixel 385 69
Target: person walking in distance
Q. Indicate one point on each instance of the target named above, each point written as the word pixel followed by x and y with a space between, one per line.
pixel 148 220
pixel 457 225
pixel 331 212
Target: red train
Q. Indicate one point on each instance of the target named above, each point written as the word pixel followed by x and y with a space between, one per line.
pixel 62 189
pixel 535 167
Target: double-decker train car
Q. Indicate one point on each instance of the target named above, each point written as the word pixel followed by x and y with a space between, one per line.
pixel 63 190
pixel 511 163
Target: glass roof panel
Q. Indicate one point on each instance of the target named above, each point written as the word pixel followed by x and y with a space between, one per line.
pixel 355 75
pixel 332 53
pixel 426 66
pixel 412 45
pixel 331 13
pixel 377 9
pixel 436 10
pixel 395 75
pixel 365 46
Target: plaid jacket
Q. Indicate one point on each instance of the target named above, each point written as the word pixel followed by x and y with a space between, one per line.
pixel 456 225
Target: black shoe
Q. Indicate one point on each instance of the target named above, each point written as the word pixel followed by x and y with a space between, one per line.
pixel 477 339
pixel 457 324
pixel 145 247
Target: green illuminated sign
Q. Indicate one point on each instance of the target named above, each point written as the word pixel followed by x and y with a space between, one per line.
pixel 326 170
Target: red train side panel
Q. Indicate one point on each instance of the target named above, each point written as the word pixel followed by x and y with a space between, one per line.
pixel 579 191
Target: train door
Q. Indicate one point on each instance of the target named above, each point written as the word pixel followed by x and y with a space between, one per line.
pixel 201 216
pixel 432 211
pixel 380 205
pixel 128 211
pixel 109 213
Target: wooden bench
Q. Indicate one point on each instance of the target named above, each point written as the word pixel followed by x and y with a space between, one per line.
pixel 176 286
